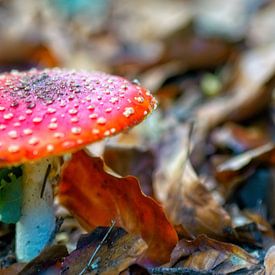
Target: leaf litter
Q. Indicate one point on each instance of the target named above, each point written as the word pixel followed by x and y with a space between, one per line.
pixel 204 159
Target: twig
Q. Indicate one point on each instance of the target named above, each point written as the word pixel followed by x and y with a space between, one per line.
pixel 45 180
pixel 179 271
pixel 191 126
pixel 89 264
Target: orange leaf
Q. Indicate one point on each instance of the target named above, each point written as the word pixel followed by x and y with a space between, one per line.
pixel 96 198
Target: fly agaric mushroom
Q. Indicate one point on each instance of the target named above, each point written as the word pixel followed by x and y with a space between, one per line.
pixel 44 114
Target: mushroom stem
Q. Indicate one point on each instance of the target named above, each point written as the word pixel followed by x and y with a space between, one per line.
pixel 35 229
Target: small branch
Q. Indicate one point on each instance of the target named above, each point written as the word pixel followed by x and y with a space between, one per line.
pixel 89 264
pixel 179 270
pixel 45 180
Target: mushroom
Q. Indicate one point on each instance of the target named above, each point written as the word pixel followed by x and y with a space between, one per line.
pixel 45 114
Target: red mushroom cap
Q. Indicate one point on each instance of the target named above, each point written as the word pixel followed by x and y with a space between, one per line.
pixel 51 112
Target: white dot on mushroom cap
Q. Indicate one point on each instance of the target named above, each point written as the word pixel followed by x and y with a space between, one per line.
pixel 37 119
pixel 91 107
pixel 34 152
pixel 113 100
pixel 14 148
pixel 8 116
pixel 128 111
pixel 50 147
pixel 17 124
pixel 73 111
pixel 2 108
pixel 3 127
pixel 58 135
pixel 76 130
pixel 13 134
pixel 101 121
pixel 79 141
pixel 51 111
pixel 21 118
pixel 68 144
pixel 93 116
pixel 74 119
pixel 27 132
pixel 95 131
pixel 33 141
pixel 107 133
pixel 139 99
pixel 28 112
pixel 53 126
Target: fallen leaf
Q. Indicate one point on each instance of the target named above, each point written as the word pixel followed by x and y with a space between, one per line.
pixel 238 138
pixel 30 54
pixel 96 198
pixel 228 170
pixel 251 228
pixel 145 23
pixel 269 261
pixel 135 270
pixel 7 256
pixel 268 234
pixel 49 260
pixel 205 254
pixel 112 256
pixel 185 199
pixel 228 20
pixel 262 26
pixel 13 269
pixel 133 161
pixel 248 93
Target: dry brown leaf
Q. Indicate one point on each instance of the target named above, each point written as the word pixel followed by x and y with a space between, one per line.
pixel 135 270
pixel 184 52
pixel 96 198
pixel 49 260
pixel 139 19
pixel 269 261
pixel 14 269
pixel 249 93
pixel 205 254
pixel 232 168
pixel 268 234
pixel 117 253
pixel 238 138
pixel 185 199
pixel 234 171
pixel 133 161
pixel 262 26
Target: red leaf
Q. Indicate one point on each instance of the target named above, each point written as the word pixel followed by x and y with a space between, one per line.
pixel 96 198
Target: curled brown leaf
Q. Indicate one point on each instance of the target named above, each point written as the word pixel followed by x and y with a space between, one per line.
pixel 96 197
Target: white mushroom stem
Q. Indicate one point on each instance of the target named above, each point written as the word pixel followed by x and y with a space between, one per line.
pixel 36 227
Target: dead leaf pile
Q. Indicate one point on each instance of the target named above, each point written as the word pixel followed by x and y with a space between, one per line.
pixel 190 190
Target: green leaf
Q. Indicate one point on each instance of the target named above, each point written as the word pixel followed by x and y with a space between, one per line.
pixel 10 194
